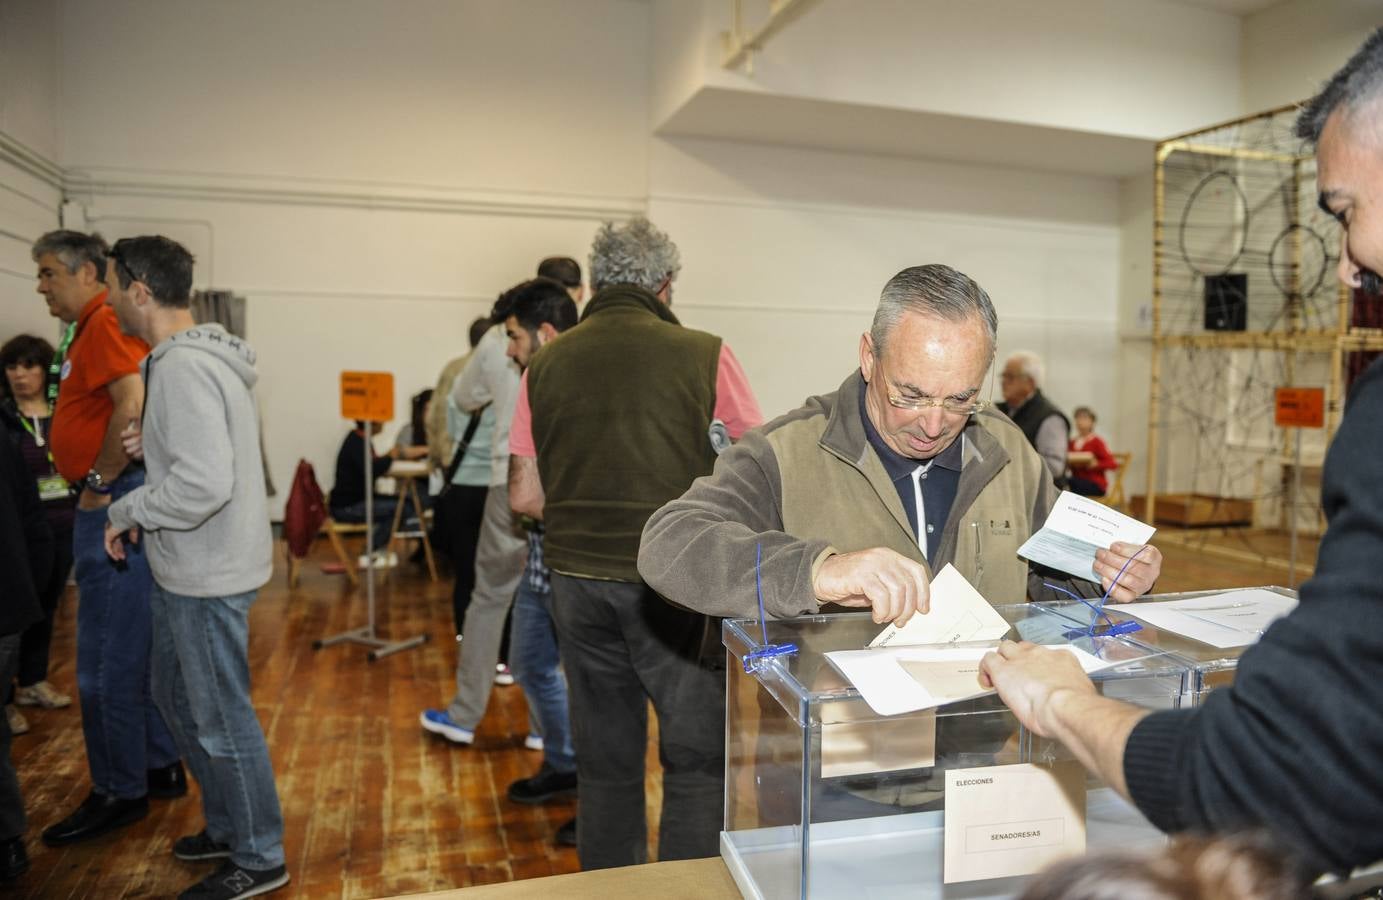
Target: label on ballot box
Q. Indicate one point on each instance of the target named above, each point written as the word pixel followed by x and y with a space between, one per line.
pixel 1002 821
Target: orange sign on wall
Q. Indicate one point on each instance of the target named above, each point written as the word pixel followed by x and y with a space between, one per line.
pixel 1300 407
pixel 367 396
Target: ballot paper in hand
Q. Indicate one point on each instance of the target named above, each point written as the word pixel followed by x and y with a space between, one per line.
pixel 1231 619
pixel 1077 527
pixel 896 680
pixel 958 614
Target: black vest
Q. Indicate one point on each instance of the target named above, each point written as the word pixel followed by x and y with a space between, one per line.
pixel 621 409
pixel 1030 416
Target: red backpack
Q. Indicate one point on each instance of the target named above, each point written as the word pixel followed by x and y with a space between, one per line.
pixel 305 511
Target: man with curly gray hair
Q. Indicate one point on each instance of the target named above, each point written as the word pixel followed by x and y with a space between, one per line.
pixel 636 253
pixel 614 420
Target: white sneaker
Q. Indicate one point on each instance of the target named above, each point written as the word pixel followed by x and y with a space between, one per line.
pixel 383 560
pixel 18 724
pixel 42 694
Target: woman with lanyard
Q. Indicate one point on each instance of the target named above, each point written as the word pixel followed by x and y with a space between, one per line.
pixel 27 413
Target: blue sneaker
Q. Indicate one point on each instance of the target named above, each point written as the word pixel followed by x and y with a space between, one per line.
pixel 438 722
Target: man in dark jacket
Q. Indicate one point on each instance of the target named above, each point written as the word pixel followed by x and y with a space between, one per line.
pixel 26 548
pixel 1296 743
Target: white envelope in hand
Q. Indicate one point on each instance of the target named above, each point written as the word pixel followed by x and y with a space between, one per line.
pixel 1075 528
pixel 958 614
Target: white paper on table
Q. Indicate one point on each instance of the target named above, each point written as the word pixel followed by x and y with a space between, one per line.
pixel 1231 619
pixel 950 674
pixel 1076 527
pixel 958 614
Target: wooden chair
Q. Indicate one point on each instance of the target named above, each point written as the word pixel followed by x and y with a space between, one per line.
pixel 333 530
pixel 1115 495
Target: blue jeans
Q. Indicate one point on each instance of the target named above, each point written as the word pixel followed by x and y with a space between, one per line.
pixel 383 513
pixel 125 735
pixel 201 676
pixel 534 663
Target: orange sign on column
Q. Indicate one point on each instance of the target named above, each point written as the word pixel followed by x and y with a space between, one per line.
pixel 367 396
pixel 1300 407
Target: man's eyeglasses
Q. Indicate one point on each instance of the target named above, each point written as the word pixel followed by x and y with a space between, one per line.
pixel 114 253
pixel 953 405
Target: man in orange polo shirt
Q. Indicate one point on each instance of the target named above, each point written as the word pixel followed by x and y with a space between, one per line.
pixel 98 392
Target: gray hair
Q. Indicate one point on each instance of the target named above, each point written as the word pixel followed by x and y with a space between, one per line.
pixel 1358 81
pixel 635 253
pixel 74 249
pixel 1030 364
pixel 932 290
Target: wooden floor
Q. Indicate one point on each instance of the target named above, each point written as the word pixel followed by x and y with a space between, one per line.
pixel 373 806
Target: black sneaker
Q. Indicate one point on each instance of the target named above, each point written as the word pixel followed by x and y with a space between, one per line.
pixel 231 882
pixel 566 835
pixel 199 846
pixel 546 785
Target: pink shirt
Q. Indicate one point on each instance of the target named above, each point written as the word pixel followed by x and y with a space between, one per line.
pixel 735 406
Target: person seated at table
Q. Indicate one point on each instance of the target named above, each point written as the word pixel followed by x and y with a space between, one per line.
pixel 414 431
pixel 347 502
pixel 414 434
pixel 1087 476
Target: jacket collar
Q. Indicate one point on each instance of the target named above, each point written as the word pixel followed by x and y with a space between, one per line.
pixel 628 296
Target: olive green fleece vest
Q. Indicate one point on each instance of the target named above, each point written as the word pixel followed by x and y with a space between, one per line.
pixel 621 408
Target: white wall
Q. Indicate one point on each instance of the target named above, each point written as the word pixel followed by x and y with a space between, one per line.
pixel 368 180
pixel 29 195
pixel 1290 49
pixel 785 251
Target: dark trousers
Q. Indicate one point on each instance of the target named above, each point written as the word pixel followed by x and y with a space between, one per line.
pixel 11 801
pixel 1085 487
pixel 464 508
pixel 622 646
pixel 33 644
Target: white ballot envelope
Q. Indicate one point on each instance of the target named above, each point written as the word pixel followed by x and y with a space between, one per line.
pixel 958 614
pixel 1231 619
pixel 1002 821
pixel 1075 529
pixel 896 680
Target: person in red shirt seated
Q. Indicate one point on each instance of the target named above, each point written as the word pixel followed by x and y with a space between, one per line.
pixel 1088 479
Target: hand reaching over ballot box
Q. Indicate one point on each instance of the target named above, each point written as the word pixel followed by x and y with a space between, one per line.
pixel 891 585
pixel 1138 578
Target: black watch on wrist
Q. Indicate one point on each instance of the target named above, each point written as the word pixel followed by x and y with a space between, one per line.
pixel 96 484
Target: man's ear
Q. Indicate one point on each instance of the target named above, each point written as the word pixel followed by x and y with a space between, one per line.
pixel 867 357
pixel 546 332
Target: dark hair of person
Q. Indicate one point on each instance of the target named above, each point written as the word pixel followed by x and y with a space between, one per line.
pixel 541 300
pixel 1232 867
pixel 162 264
pixel 477 330
pixel 562 269
pixel 1358 82
pixel 1085 411
pixel 74 249
pixel 26 350
pixel 23 350
pixel 419 415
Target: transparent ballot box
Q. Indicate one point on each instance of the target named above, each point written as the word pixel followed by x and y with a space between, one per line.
pixel 1207 667
pixel 826 798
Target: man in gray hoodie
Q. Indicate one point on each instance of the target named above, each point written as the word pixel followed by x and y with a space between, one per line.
pixel 205 520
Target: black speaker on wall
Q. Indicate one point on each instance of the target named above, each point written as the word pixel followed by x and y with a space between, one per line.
pixel 1226 302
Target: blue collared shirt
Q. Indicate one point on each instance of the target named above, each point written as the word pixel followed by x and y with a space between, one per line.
pixel 936 482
